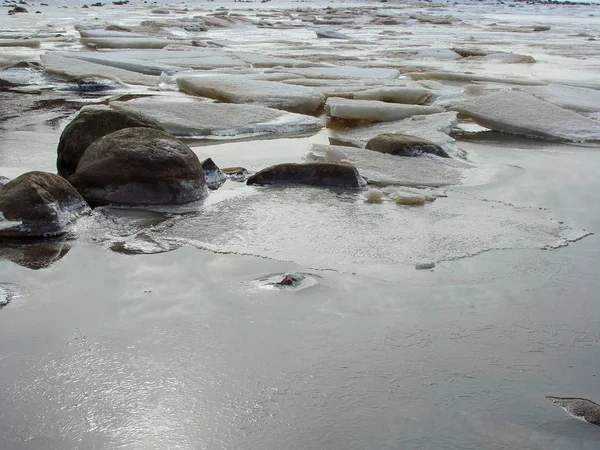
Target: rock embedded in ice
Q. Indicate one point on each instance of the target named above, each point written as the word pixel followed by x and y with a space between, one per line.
pixel 521 113
pixel 139 166
pixel 44 204
pixel 87 127
pixel 196 118
pixel 74 69
pixel 404 145
pixel 382 169
pixel 414 96
pixel 213 176
pixel 311 174
pixel 580 408
pixel 240 89
pixel 373 110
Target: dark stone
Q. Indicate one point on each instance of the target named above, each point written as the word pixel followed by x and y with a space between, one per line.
pixel 404 145
pixel 579 407
pixel 541 28
pixel 312 174
pixel 139 166
pixel 89 126
pixel 213 176
pixel 97 4
pixel 18 9
pixel 45 203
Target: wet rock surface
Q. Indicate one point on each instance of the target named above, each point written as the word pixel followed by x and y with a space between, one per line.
pixel 87 127
pixel 580 408
pixel 44 204
pixel 311 174
pixel 139 166
pixel 404 145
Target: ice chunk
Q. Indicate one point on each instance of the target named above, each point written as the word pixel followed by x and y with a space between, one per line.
pixel 521 113
pixel 409 199
pixel 570 97
pixel 509 58
pixel 240 89
pixel 434 127
pixel 470 77
pixel 75 69
pixel 331 34
pixel 385 170
pixel 34 43
pixel 374 196
pixel 415 96
pixel 118 42
pixel 109 34
pixel 123 60
pixel 194 117
pixel 438 53
pixel 345 72
pixel 373 110
pixel 193 59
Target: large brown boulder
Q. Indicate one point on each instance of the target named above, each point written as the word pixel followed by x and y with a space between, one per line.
pixel 89 126
pixel 40 204
pixel 312 174
pixel 139 166
pixel 404 145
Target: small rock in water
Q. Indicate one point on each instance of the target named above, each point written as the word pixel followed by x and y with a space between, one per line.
pixel 404 145
pixel 425 266
pixel 374 196
pixel 212 174
pixel 236 173
pixel 311 174
pixel 580 408
pixel 292 281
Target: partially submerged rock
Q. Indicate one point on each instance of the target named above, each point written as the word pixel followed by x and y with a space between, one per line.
pixel 312 174
pixel 292 281
pixel 410 199
pixel 580 408
pixel 139 166
pixel 39 204
pixel 87 127
pixel 520 113
pixel 404 145
pixel 213 176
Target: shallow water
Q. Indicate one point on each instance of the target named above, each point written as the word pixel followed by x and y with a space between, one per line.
pixel 152 329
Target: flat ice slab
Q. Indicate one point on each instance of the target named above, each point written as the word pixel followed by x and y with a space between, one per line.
pixel 196 118
pixel 521 113
pixel 373 110
pixel 240 89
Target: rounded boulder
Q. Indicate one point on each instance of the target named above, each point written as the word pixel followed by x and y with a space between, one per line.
pixel 89 126
pixel 139 166
pixel 39 204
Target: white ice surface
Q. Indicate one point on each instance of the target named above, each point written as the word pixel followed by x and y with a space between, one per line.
pixel 569 97
pixel 405 95
pixel 373 110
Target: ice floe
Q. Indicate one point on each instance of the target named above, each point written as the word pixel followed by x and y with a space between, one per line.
pixel 373 110
pixel 408 95
pixel 196 118
pixel 240 89
pixel 570 97
pixel 518 112
pixel 345 72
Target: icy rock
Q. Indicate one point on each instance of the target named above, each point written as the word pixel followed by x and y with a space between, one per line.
pixel 414 96
pixel 331 34
pixel 87 127
pixel 139 166
pixel 373 110
pixel 77 70
pixel 521 113
pixel 374 196
pixel 293 281
pixel 161 11
pixel 409 199
pixel 311 174
pixel 195 117
pixel 580 408
pixel 569 97
pixel 434 127
pixel 425 266
pixel 213 176
pixel 404 145
pixel 382 169
pixel 42 204
pixel 240 89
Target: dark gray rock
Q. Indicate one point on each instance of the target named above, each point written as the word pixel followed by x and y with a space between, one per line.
pixel 139 166
pixel 312 174
pixel 89 126
pixel 579 407
pixel 404 145
pixel 44 203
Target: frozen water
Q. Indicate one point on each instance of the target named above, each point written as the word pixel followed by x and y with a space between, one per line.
pixel 240 89
pixel 118 42
pixel 124 60
pixel 331 34
pixel 194 117
pixel 521 113
pixel 570 97
pixel 346 72
pixel 415 96
pixel 373 110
